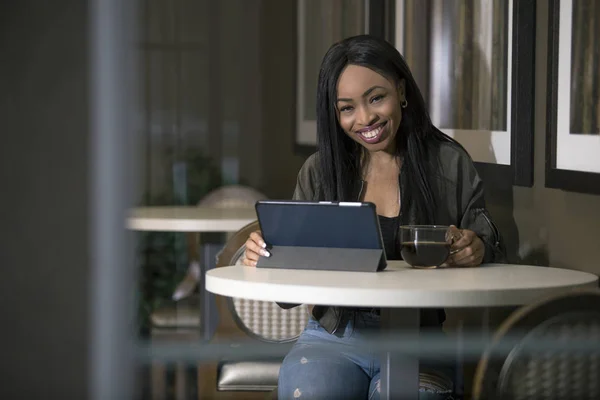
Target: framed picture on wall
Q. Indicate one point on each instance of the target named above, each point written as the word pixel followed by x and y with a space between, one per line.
pixel 321 23
pixel 573 113
pixel 481 80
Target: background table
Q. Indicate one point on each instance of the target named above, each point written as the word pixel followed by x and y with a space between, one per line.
pixel 195 219
pixel 189 219
pixel 403 289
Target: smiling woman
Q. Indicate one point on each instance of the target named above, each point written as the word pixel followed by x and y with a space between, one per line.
pixel 377 144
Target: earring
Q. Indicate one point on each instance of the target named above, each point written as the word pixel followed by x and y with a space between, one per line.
pixel 404 103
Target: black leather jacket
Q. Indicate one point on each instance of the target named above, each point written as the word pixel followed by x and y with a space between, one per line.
pixel 461 203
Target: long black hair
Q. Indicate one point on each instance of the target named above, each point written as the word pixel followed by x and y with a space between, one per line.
pixel 340 156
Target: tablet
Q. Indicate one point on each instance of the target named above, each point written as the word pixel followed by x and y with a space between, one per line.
pixel 341 236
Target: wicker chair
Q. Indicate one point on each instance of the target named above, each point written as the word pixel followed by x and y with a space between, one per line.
pixel 191 316
pixel 245 321
pixel 231 196
pixel 527 372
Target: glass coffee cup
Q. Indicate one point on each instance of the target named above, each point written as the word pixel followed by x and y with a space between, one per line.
pixel 424 246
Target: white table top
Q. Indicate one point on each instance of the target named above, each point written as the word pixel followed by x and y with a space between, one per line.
pixel 399 285
pixel 189 219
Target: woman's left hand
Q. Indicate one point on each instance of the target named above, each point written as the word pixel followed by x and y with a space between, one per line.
pixel 467 249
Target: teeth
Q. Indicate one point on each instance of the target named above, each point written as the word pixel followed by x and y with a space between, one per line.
pixel 372 133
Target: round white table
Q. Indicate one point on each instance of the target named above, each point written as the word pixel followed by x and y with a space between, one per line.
pixel 401 292
pixel 189 219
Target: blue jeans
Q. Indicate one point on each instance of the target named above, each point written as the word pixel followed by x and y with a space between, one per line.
pixel 314 370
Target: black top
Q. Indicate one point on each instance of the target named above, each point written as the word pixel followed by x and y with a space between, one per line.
pixel 389 233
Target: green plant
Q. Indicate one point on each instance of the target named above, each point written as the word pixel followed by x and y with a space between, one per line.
pixel 163 255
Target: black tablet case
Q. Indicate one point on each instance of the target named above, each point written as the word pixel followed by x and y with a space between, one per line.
pixel 321 236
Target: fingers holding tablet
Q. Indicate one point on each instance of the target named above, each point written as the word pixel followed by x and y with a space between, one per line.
pixel 255 248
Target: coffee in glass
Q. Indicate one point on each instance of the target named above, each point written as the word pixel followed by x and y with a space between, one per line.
pixel 424 246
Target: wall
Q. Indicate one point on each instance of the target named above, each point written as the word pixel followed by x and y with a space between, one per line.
pixel 563 226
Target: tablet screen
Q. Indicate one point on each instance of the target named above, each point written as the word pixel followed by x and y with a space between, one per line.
pixel 311 224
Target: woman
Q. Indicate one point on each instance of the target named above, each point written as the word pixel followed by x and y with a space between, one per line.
pixel 377 144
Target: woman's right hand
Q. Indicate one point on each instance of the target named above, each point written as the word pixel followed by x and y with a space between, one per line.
pixel 255 248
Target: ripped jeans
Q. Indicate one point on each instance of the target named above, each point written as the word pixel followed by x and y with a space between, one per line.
pixel 311 370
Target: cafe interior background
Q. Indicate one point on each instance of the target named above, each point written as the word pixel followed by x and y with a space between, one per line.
pixel 221 94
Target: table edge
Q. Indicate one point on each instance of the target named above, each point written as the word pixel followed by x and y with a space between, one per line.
pixel 262 291
pixel 187 225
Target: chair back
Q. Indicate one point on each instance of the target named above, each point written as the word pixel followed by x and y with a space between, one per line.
pixel 261 320
pixel 232 196
pixel 539 363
